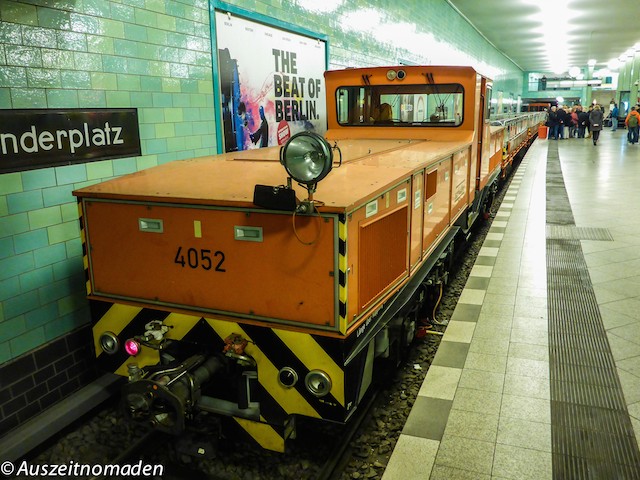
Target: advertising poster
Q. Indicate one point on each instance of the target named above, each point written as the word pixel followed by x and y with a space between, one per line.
pixel 271 83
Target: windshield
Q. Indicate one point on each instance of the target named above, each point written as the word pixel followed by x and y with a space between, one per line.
pixel 401 105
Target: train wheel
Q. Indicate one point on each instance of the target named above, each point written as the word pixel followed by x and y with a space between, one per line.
pixel 409 327
pixel 488 202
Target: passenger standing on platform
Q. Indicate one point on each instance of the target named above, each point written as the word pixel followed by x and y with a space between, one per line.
pixel 583 120
pixel 614 118
pixel 596 117
pixel 573 129
pixel 563 121
pixel 552 123
pixel 588 122
pixel 633 124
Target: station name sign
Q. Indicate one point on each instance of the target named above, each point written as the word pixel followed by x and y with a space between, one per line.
pixel 37 138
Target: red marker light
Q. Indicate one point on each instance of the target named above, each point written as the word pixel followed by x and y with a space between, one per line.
pixel 132 347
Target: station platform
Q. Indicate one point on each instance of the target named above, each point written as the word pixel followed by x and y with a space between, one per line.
pixel 538 373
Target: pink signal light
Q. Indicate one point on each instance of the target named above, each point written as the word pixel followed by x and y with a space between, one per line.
pixel 132 347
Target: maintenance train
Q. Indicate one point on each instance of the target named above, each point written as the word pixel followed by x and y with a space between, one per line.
pixel 270 284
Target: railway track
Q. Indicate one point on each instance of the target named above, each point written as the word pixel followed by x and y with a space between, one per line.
pixel 170 469
pixel 128 454
pixel 338 458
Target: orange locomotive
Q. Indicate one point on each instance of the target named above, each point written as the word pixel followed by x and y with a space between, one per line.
pixel 233 286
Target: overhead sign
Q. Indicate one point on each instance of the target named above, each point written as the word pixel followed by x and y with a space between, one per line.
pixel 271 83
pixel 32 139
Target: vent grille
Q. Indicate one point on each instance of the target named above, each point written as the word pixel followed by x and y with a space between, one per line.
pixel 383 253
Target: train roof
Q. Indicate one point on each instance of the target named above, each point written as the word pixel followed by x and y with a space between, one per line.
pixel 408 68
pixel 228 180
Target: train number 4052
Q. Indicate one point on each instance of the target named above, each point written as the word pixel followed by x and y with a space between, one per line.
pixel 200 258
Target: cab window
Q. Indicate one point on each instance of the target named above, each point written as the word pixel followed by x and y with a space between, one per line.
pixel 401 105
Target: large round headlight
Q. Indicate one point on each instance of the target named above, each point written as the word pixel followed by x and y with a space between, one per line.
pixel 318 383
pixel 307 157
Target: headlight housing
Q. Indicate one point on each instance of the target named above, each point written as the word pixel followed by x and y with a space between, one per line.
pixel 307 157
pixel 110 343
pixel 287 377
pixel 318 383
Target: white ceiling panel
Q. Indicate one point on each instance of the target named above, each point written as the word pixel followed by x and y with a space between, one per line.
pixel 548 35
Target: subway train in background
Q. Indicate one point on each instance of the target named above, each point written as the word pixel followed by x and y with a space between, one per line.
pixel 266 285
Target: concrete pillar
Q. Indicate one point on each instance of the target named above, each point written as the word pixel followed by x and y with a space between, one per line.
pixel 634 77
pixel 589 89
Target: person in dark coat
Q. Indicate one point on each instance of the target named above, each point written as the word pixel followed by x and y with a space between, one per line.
pixel 596 117
pixel 563 121
pixel 552 123
pixel 588 123
pixel 583 120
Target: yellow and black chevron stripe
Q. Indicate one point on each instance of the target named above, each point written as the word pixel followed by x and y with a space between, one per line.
pixel 271 348
pixel 125 321
pixel 85 253
pixel 267 436
pixel 342 275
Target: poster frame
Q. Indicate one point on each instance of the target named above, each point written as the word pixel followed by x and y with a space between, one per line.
pixel 216 6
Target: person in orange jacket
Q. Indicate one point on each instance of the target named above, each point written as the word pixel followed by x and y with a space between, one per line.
pixel 632 122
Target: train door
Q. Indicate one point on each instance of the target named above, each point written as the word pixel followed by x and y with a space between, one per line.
pixel 479 128
pixel 483 132
pixel 417 218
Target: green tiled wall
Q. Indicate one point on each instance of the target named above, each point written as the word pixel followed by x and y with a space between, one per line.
pixel 352 48
pixel 154 55
pixel 89 54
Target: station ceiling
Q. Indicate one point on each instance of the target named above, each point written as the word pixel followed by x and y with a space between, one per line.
pixel 554 35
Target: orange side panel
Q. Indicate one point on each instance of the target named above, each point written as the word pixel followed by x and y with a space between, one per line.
pixel 391 242
pixel 496 161
pixel 498 141
pixel 437 207
pixel 200 261
pixel 459 184
pixel 486 155
pixel 473 174
pixel 383 253
pixel 417 217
